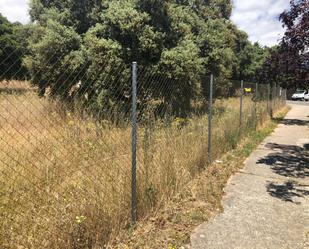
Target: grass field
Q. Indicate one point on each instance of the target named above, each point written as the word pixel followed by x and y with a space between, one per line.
pixel 66 180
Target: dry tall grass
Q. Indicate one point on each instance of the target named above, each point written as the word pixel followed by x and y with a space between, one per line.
pixel 65 180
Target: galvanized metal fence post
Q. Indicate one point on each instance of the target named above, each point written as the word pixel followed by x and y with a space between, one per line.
pixel 255 103
pixel 211 83
pixel 274 105
pixel 271 100
pixel 268 99
pixel 257 92
pixel 134 143
pixel 241 104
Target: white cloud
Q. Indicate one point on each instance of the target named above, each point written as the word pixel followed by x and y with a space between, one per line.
pixel 15 10
pixel 259 18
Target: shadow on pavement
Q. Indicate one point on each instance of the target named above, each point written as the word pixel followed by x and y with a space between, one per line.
pixel 292 121
pixel 288 161
pixel 287 191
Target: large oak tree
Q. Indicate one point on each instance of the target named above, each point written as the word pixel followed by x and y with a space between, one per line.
pixel 85 42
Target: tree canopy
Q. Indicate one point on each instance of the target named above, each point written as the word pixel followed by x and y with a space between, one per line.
pixel 12 47
pixel 83 41
pixel 288 64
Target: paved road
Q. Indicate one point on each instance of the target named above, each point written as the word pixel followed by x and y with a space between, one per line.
pixel 267 204
pixel 304 103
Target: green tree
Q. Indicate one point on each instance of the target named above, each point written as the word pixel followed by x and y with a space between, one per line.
pixel 53 57
pixel 288 64
pixel 12 48
pixel 85 41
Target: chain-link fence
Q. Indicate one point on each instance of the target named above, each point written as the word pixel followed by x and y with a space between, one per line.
pixel 87 153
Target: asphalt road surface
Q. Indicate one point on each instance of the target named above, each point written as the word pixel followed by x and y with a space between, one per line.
pixel 305 103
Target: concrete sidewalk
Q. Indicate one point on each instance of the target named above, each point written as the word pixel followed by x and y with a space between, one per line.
pixel 267 204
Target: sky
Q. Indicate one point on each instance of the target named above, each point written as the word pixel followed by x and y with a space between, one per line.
pixel 259 18
pixel 15 10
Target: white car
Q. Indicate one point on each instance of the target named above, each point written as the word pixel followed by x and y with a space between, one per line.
pixel 307 96
pixel 300 95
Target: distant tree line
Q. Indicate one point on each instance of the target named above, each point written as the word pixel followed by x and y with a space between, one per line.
pixel 83 42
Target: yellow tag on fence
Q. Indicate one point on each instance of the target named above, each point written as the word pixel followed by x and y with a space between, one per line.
pixel 248 90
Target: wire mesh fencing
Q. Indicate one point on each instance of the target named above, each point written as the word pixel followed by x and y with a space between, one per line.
pixel 64 159
pixel 86 152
